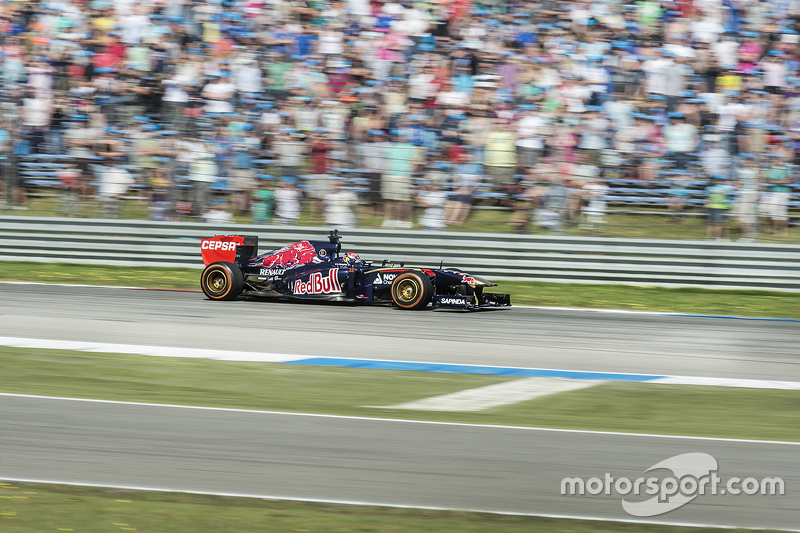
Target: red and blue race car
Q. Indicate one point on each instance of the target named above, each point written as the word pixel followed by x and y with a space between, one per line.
pixel 318 270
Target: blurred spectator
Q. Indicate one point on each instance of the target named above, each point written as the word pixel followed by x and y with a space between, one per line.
pixel 242 184
pixel 218 213
pixel 290 153
pixel 594 208
pixel 679 192
pixel 402 159
pixel 161 185
pixel 530 199
pixel 718 204
pixel 202 173
pixel 466 179
pixel 776 199
pixel 79 138
pixel 69 180
pixel 287 201
pixel 36 114
pixel 717 161
pixel 114 183
pixel 6 170
pixel 553 213
pixel 339 206
pixel 321 183
pixel 745 208
pixel 433 200
pixel 145 148
pixel 372 158
pixel 263 203
pixel 501 155
pixel 681 139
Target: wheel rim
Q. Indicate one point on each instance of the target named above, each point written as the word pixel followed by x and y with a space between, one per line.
pixel 216 281
pixel 407 290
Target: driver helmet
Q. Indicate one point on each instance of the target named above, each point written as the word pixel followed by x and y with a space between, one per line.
pixel 351 259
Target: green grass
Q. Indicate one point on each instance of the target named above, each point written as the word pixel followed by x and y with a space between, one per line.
pixel 616 406
pixel 751 303
pixel 649 226
pixel 34 508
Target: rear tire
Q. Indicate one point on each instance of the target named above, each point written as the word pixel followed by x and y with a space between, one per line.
pixel 222 281
pixel 412 290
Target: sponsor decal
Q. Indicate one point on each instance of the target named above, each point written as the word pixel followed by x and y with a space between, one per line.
pixel 453 301
pixel 271 272
pixel 298 253
pixel 323 253
pixel 218 245
pixel 319 284
pixel 469 280
pixel 388 278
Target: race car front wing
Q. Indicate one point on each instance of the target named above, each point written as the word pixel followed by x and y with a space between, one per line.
pixel 476 301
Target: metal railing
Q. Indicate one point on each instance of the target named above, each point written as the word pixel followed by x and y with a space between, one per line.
pixel 496 256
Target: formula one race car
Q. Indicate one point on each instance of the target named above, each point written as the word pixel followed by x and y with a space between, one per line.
pixel 317 270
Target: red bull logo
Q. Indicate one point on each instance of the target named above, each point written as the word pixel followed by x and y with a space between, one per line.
pixel 294 254
pixel 319 284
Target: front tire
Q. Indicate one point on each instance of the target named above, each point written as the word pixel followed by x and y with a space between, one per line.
pixel 412 290
pixel 222 281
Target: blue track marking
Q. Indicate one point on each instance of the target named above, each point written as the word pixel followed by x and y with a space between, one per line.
pixel 736 317
pixel 469 369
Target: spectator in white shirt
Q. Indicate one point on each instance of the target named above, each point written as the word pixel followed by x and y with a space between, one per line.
pixel 727 51
pixel 114 183
pixel 287 202
pixel 530 137
pixel 339 206
pixel 218 213
pixel 656 69
pixel 247 75
pixel 175 98
pixel 433 200
pixel 218 95
pixel 203 173
pixel 715 159
pixel 705 29
pixel 681 139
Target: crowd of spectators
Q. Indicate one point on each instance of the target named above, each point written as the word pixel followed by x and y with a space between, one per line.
pixel 375 107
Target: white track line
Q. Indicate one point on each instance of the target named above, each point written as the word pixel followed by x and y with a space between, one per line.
pixel 401 420
pixel 478 399
pixel 153 351
pixel 729 382
pixel 77 285
pixel 381 504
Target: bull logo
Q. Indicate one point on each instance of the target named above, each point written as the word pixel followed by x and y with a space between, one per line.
pixel 295 254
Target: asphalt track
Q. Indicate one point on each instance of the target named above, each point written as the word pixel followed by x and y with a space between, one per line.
pixel 371 461
pixel 603 342
pixel 386 462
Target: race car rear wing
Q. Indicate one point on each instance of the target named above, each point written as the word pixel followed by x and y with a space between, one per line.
pixel 236 249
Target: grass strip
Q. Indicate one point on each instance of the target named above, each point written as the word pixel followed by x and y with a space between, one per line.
pixel 750 303
pixel 49 507
pixel 616 406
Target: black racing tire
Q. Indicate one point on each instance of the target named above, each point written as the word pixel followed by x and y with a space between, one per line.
pixel 222 281
pixel 412 290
